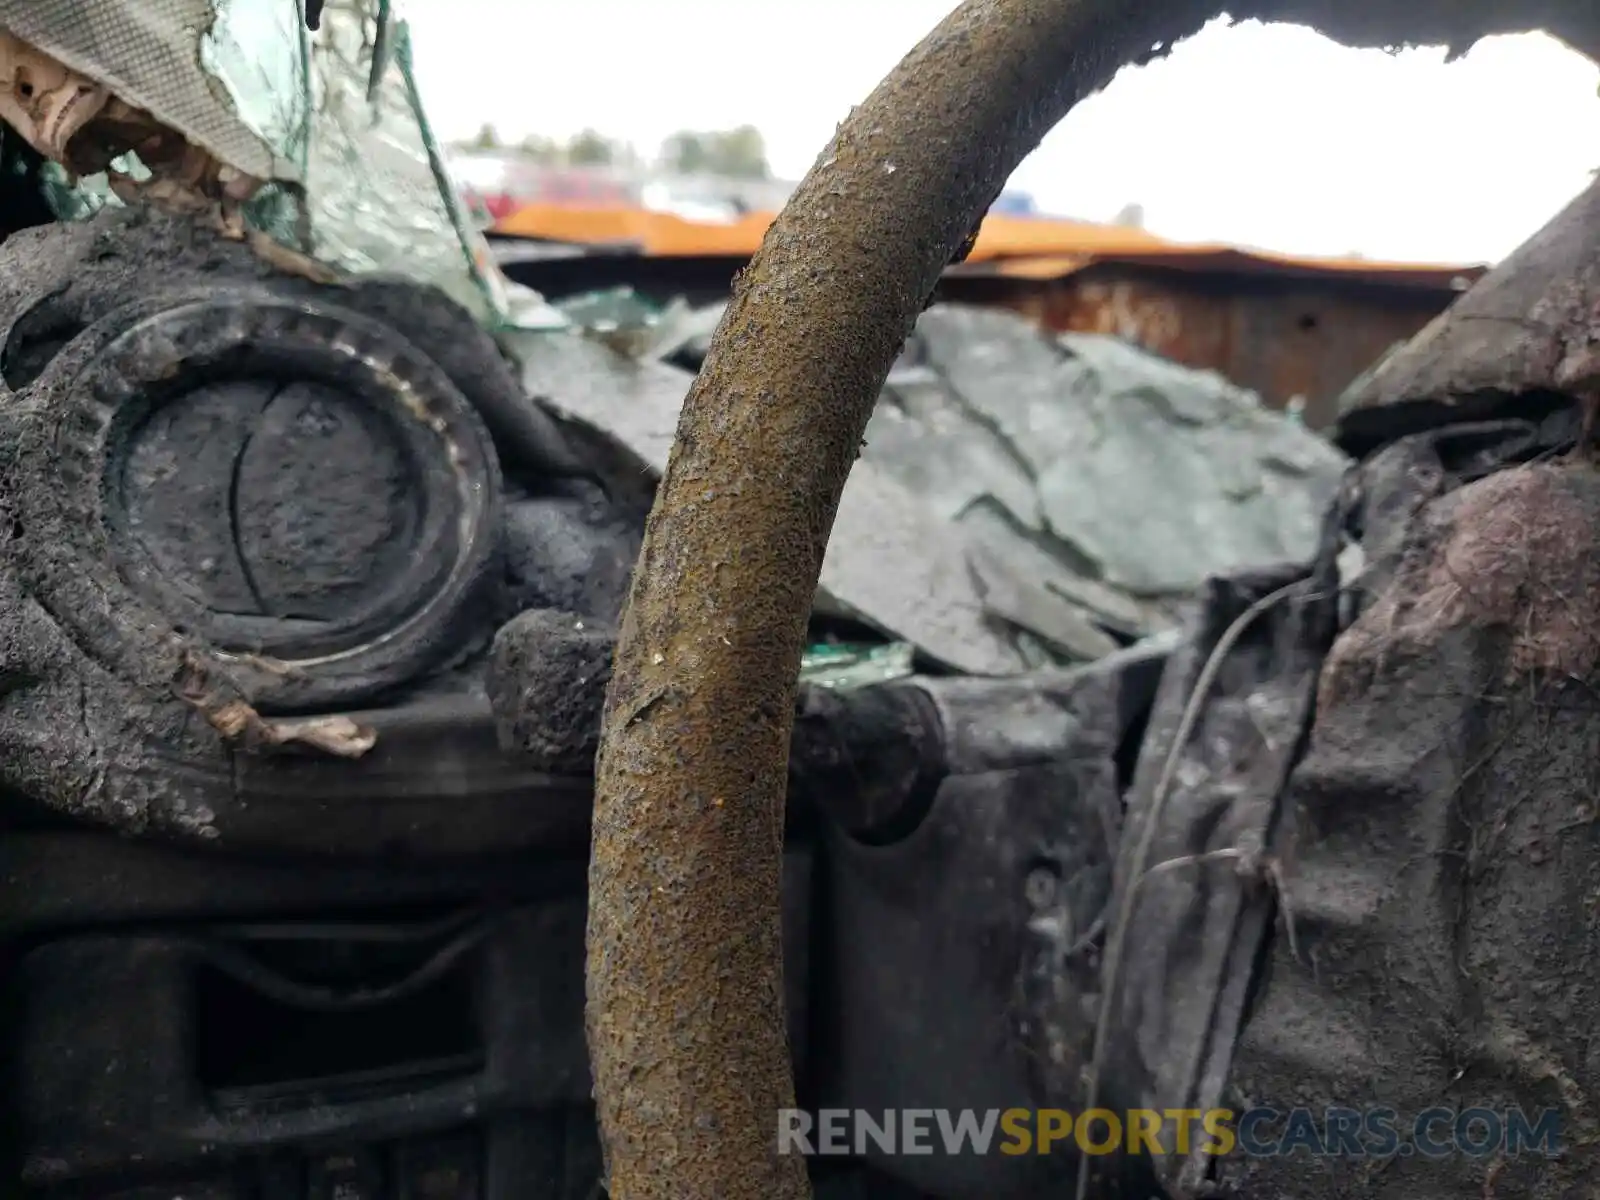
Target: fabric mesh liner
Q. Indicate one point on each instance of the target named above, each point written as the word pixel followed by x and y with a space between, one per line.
pixel 148 53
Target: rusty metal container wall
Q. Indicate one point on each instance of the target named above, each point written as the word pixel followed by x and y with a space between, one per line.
pixel 1279 337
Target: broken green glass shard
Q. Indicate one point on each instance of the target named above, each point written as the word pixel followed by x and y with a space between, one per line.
pixel 845 666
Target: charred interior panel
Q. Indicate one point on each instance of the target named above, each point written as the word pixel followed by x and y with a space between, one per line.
pixel 235 492
pixel 243 503
pixel 184 1026
pixel 261 533
pixel 306 616
pixel 305 612
pixel 962 956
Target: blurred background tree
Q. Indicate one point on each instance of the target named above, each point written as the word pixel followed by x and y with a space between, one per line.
pixel 590 148
pixel 542 150
pixel 739 153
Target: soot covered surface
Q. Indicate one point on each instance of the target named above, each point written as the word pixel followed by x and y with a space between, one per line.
pixel 267 500
pixel 265 505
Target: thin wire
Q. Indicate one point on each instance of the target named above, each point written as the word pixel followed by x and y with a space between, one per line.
pixel 1163 789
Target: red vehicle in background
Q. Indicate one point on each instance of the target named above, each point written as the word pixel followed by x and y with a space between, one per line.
pixel 496 184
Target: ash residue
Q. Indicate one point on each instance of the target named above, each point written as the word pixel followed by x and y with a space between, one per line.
pixel 76 273
pixel 547 681
pixel 1443 873
pixel 94 739
pixel 88 717
pixel 1502 557
pixel 90 722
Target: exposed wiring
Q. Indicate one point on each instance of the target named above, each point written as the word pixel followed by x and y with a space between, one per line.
pixel 1158 801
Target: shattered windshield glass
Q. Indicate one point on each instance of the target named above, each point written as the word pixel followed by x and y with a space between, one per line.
pixel 327 130
pixel 261 51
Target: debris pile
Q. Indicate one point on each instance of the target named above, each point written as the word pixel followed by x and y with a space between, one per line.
pixel 1057 496
pixel 1022 500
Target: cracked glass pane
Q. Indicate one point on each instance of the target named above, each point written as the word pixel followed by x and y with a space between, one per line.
pixel 261 52
pixel 375 188
pixel 379 196
pixel 355 177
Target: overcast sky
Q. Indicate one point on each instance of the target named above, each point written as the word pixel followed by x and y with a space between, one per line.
pixel 1259 135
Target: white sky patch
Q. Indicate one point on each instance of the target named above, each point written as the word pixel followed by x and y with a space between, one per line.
pixel 1260 135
